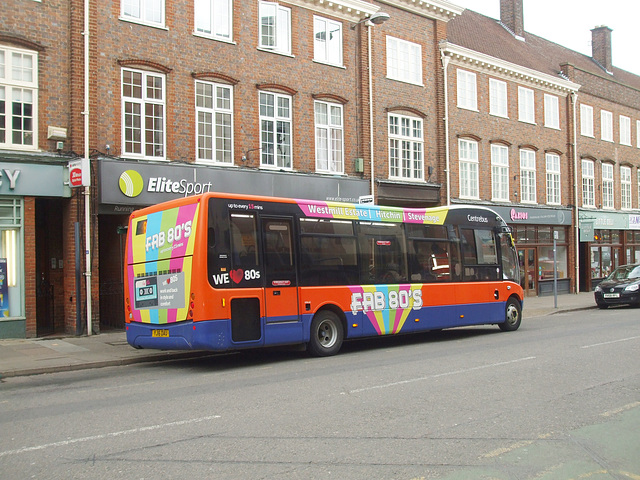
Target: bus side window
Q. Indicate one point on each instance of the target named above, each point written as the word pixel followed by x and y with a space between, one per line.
pixel 244 240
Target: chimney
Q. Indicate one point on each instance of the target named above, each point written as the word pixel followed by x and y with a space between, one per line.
pixel 511 16
pixel 601 47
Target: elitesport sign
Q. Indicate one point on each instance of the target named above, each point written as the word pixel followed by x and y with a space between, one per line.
pixel 132 184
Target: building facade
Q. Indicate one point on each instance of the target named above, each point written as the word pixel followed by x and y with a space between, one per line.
pixel 412 103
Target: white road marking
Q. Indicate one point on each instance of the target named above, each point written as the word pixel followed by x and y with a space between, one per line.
pixel 609 343
pixel 437 375
pixel 106 435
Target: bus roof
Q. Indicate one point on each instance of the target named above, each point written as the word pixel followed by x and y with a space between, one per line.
pixel 350 211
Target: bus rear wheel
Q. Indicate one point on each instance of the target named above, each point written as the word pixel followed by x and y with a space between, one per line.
pixel 513 316
pixel 327 334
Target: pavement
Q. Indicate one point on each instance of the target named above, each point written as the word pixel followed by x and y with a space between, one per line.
pixel 34 356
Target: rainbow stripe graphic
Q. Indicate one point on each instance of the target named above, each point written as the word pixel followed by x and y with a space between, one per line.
pixel 162 245
pixel 372 213
pixel 387 307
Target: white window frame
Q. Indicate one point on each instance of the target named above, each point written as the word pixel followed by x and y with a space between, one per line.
pixel 554 194
pixel 606 126
pixel 214 123
pixel 607 186
pixel 499 173
pixel 498 105
pixel 404 61
pixel 625 188
pixel 325 48
pixel 526 105
pixel 625 130
pixel 329 137
pixel 279 39
pixel 528 176
pixel 586 120
pixel 214 19
pixel 469 169
pixel 467 90
pixel 638 134
pixel 281 157
pixel 588 183
pixel 19 86
pixel 551 111
pixel 406 147
pixel 145 120
pixel 139 11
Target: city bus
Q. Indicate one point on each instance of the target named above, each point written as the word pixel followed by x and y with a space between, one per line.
pixel 228 272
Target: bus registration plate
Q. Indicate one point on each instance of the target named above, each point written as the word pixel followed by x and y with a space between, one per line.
pixel 159 333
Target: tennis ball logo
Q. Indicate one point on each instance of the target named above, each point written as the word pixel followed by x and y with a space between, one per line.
pixel 131 183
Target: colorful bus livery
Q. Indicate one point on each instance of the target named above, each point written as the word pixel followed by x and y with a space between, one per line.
pixel 224 272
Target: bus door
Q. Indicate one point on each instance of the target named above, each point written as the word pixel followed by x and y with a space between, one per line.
pixel 281 292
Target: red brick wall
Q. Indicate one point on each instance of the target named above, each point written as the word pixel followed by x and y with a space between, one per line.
pixel 508 131
pixel 185 54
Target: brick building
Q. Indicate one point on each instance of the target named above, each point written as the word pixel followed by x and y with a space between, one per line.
pixel 424 104
pixel 527 115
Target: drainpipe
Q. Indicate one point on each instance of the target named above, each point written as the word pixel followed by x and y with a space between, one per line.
pixel 373 193
pixel 574 98
pixel 445 64
pixel 87 188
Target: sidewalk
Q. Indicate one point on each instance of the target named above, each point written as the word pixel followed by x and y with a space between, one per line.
pixel 19 357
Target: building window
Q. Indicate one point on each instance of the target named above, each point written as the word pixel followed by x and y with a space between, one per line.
pixel 553 179
pixel 468 154
pixel 149 12
pixel 588 184
pixel 406 148
pixel 214 117
pixel 404 61
pixel 11 257
pixel 586 120
pixel 625 130
pixel 551 111
pixel 275 27
pixel 327 41
pixel 143 114
pixel 625 187
pixel 18 99
pixel 606 126
pixel 329 138
pixel 528 176
pixel 526 105
pixel 214 18
pixel 500 173
pixel 467 90
pixel 498 98
pixel 607 185
pixel 275 130
pixel 638 133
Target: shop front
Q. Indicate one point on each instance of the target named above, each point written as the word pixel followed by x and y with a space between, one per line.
pixel 535 231
pixel 607 240
pixel 31 251
pixel 128 185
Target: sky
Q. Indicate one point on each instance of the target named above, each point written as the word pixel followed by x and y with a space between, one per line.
pixel 572 21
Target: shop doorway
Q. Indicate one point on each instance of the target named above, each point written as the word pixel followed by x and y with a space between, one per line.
pixel 112 237
pixel 49 264
pixel 528 259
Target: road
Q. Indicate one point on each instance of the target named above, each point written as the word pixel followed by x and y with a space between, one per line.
pixel 558 399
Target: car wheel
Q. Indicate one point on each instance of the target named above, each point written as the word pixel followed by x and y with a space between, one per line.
pixel 602 306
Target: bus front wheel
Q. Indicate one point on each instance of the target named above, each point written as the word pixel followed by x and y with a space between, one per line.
pixel 327 334
pixel 513 316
